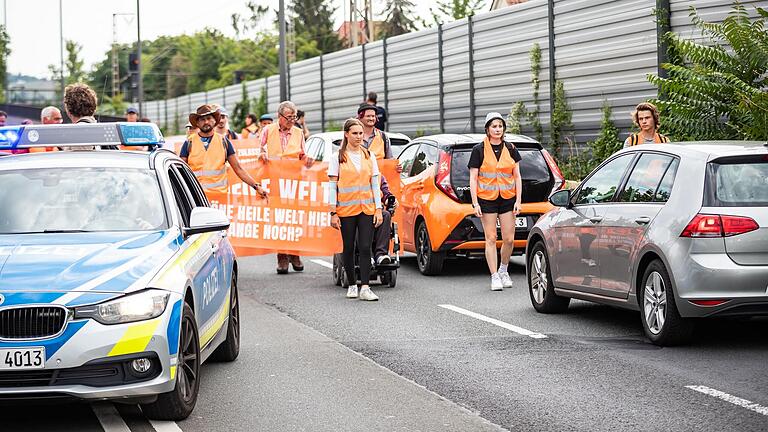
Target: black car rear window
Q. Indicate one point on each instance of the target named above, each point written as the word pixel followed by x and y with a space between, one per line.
pixel 737 182
pixel 537 180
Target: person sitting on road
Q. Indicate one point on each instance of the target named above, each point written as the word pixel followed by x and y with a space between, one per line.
pixel 496 189
pixel 355 205
pixel 377 142
pixel 646 117
pixel 251 126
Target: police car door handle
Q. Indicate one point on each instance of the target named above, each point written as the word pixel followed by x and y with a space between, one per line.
pixel 214 248
pixel 223 234
pixel 596 219
pixel 643 220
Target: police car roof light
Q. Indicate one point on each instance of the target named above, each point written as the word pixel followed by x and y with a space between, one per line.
pixel 10 135
pixel 80 134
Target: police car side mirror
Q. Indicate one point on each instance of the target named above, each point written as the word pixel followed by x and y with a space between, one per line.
pixel 206 219
pixel 561 198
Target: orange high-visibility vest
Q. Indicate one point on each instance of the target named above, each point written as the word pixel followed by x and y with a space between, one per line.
pixel 275 148
pixel 250 130
pixel 496 177
pixel 658 138
pixel 377 145
pixel 209 164
pixel 355 193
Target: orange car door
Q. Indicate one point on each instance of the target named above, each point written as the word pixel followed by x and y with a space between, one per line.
pixel 408 196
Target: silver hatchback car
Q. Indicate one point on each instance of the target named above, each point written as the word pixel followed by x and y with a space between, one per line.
pixel 677 231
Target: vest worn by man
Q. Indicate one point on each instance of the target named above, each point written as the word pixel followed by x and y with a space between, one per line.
pixel 355 193
pixel 496 177
pixel 275 148
pixel 209 164
pixel 377 145
pixel 658 138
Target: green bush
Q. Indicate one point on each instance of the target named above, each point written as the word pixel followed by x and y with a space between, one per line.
pixel 717 90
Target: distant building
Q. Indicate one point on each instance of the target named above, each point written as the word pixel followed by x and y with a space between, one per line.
pixel 498 4
pixel 35 92
pixel 345 32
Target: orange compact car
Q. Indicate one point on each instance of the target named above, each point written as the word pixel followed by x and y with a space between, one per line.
pixel 436 206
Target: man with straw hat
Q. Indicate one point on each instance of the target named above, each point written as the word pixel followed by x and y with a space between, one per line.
pixel 207 152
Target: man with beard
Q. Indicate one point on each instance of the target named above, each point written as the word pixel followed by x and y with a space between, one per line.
pixel 207 152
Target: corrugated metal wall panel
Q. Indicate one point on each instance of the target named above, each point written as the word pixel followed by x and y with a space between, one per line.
pixel 413 83
pixel 502 45
pixel 305 90
pixel 374 70
pixel 217 97
pixel 343 73
pixel 273 93
pixel 456 76
pixel 602 46
pixel 709 10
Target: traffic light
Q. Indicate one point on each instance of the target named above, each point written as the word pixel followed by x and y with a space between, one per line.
pixel 133 62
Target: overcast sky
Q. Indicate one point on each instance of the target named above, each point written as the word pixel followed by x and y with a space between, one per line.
pixel 33 25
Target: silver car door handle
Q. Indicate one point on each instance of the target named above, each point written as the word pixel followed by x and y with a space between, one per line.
pixel 596 219
pixel 643 220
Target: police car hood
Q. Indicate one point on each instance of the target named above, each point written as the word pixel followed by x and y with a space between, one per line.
pixel 114 262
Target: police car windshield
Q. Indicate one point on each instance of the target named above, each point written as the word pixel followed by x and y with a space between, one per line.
pixel 80 200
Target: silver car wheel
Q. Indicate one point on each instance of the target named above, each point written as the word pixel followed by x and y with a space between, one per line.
pixel 539 276
pixel 655 303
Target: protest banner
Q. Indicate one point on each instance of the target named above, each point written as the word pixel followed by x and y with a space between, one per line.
pixel 295 218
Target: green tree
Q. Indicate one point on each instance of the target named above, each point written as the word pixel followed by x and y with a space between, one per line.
pixel 112 105
pixel 533 116
pixel 455 9
pixel 5 51
pixel 607 142
pixel 73 64
pixel 313 19
pixel 717 90
pixel 398 18
pixel 241 110
pixel 561 121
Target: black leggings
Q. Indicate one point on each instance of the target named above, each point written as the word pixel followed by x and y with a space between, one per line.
pixel 362 226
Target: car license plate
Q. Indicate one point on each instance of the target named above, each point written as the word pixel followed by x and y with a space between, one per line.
pixel 22 358
pixel 521 222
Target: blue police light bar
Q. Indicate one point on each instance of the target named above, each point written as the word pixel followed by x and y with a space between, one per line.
pixel 73 135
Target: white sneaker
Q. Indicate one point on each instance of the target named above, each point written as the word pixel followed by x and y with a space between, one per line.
pixel 496 284
pixel 384 259
pixel 506 281
pixel 352 291
pixel 367 294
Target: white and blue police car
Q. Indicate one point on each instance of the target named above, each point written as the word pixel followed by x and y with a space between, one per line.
pixel 117 280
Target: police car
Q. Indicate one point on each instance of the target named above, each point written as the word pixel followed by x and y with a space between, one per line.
pixel 117 280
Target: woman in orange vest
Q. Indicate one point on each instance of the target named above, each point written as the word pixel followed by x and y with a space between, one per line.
pixel 496 188
pixel 251 127
pixel 355 205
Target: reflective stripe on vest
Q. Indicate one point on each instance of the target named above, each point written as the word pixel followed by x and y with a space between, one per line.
pixel 275 147
pixel 208 165
pixel 355 195
pixel 496 177
pixel 377 145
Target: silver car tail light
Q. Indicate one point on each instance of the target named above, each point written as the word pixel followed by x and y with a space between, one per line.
pixel 712 226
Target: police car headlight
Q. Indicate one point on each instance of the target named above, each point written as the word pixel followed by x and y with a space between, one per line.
pixel 140 306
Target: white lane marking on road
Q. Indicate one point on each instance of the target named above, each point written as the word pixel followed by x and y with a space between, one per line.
pixel 731 399
pixel 322 263
pixel 109 417
pixel 502 324
pixel 165 426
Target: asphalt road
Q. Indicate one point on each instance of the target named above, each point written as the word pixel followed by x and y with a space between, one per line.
pixel 429 356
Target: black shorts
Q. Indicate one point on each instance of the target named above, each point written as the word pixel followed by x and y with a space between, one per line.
pixel 499 205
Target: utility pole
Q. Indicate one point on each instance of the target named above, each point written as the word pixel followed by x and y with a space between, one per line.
pixel 115 65
pixel 353 22
pixel 283 62
pixel 138 36
pixel 61 45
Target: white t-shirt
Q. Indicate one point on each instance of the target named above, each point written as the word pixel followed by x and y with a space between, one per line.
pixel 355 158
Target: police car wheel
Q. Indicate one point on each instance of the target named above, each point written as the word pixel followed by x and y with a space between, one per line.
pixel 230 348
pixel 178 403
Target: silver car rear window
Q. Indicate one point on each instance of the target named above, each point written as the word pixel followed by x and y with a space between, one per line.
pixel 737 182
